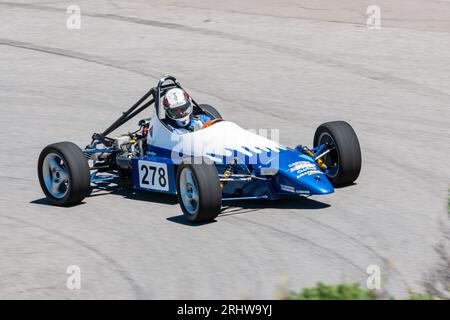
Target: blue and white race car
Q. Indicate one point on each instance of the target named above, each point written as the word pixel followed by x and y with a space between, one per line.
pixel 219 162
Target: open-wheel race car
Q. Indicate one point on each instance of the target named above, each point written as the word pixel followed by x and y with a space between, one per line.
pixel 205 167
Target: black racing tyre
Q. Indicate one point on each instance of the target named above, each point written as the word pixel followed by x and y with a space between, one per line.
pixel 198 190
pixel 63 173
pixel 344 162
pixel 211 111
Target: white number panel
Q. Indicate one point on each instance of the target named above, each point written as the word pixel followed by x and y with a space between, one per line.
pixel 153 175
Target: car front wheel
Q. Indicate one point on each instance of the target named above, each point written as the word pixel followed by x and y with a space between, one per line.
pixel 343 159
pixel 198 190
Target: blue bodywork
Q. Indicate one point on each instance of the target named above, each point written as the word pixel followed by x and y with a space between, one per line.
pixel 170 172
pixel 255 172
pixel 285 173
pixel 307 179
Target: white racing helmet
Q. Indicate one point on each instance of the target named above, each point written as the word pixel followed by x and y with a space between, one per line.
pixel 178 106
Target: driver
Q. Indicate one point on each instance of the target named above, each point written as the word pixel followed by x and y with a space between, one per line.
pixel 179 107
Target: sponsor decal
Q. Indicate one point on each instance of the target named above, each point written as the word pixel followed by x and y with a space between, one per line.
pixel 309 173
pixel 302 168
pixel 299 165
pixel 287 188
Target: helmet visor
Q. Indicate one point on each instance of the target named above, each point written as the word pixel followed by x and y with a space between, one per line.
pixel 180 111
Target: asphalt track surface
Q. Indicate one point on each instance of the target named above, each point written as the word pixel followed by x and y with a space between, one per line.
pixel 288 65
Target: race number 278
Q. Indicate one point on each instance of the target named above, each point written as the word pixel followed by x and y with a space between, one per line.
pixel 153 175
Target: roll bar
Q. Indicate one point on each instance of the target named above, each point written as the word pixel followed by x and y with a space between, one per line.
pixel 153 96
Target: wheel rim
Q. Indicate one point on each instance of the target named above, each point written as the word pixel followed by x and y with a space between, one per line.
pixel 331 159
pixel 55 174
pixel 189 191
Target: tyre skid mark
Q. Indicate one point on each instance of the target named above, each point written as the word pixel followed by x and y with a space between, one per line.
pixel 17 178
pixel 255 270
pixel 347 237
pixel 139 292
pixel 65 53
pixel 296 52
pixel 303 239
pixel 71 54
pixel 102 61
pixel 351 239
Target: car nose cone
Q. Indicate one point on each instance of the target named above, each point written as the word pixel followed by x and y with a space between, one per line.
pixel 317 184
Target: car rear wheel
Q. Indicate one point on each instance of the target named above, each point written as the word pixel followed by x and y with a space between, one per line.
pixel 211 111
pixel 198 190
pixel 63 173
pixel 344 158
